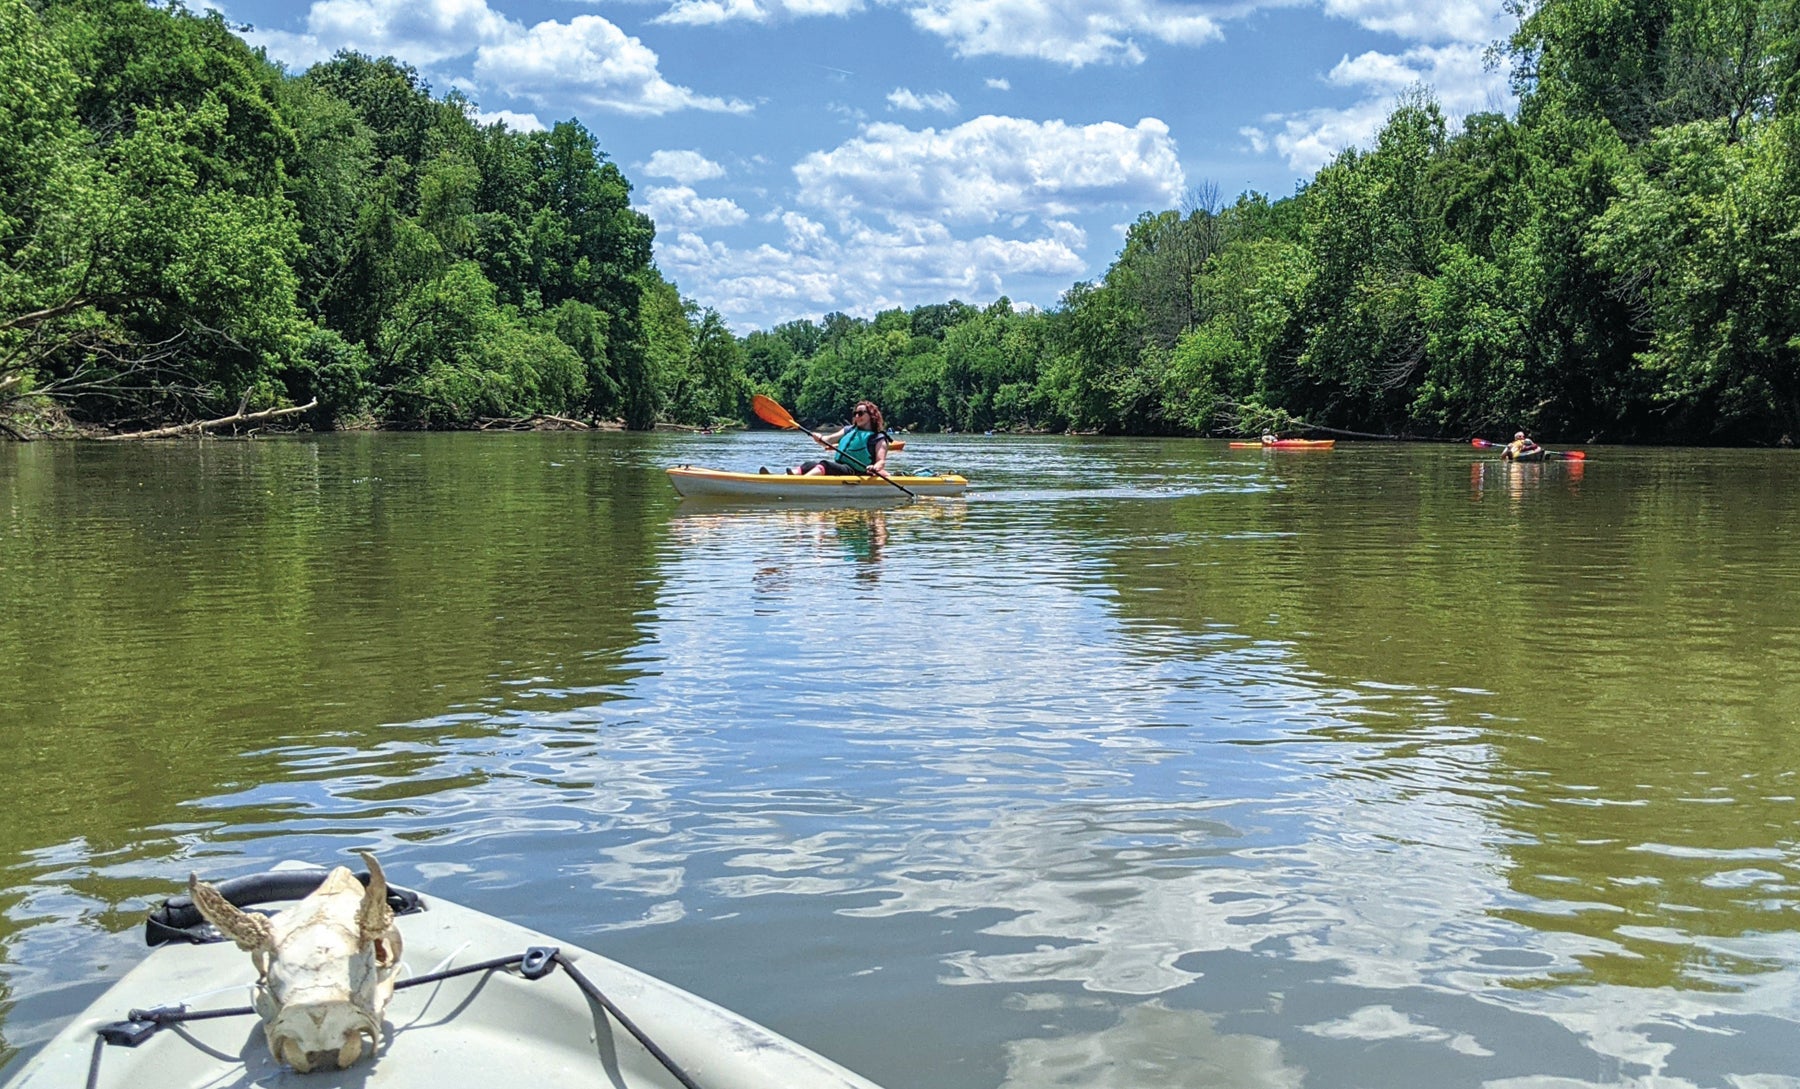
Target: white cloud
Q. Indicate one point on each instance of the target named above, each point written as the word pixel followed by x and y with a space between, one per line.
pixel 992 167
pixel 850 114
pixel 1428 20
pixel 1457 76
pixel 419 32
pixel 1375 71
pixel 585 63
pixel 1071 32
pixel 999 85
pixel 1068 234
pixel 902 99
pixel 804 235
pixel 862 270
pixel 588 62
pixel 686 167
pixel 518 122
pixel 897 205
pixel 680 207
pixel 821 7
pixel 1309 140
pixel 296 51
pixel 710 12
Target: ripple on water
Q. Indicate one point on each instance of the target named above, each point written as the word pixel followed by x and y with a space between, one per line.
pixel 1142 766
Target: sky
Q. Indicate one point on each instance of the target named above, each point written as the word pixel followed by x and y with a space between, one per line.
pixel 807 156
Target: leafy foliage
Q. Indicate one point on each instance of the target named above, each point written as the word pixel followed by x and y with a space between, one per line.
pixel 1705 239
pixel 186 227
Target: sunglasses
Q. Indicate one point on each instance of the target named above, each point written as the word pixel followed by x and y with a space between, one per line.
pixel 859 412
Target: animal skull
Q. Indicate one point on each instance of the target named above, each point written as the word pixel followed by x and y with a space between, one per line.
pixel 325 967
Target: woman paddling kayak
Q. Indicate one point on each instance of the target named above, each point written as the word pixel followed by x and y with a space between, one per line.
pixel 862 445
pixel 1524 449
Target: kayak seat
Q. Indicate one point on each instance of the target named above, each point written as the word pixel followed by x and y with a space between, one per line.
pixel 178 920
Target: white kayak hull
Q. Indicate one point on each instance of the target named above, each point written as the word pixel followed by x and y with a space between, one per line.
pixel 695 483
pixel 474 1031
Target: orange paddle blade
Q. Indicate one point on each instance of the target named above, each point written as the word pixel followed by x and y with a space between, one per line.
pixel 771 412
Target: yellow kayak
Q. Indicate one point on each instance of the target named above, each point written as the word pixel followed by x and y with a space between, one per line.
pixel 696 483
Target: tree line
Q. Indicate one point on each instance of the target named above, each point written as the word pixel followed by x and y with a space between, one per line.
pixel 187 228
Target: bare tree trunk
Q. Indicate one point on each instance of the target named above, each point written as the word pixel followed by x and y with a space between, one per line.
pixel 202 425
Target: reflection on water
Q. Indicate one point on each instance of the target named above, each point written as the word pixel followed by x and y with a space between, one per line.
pixel 857 535
pixel 1148 764
pixel 1517 479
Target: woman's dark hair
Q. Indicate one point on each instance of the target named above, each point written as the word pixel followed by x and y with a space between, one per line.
pixel 876 423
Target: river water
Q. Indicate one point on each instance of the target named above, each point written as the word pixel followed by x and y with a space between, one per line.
pixel 1149 763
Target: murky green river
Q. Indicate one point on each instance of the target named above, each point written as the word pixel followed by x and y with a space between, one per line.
pixel 1148 764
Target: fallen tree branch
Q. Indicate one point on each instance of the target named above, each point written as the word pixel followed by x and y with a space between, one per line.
pixel 203 425
pixel 1252 418
pixel 542 421
pixel 1300 423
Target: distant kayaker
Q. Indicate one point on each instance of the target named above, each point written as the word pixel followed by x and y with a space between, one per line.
pixel 1521 446
pixel 863 442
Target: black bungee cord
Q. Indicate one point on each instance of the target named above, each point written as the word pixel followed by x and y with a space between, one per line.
pixel 533 964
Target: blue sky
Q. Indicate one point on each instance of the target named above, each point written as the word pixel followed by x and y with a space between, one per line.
pixel 805 156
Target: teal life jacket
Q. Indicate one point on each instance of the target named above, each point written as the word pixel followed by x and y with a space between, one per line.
pixel 857 444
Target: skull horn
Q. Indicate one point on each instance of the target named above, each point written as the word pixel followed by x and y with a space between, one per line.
pixel 374 919
pixel 250 931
